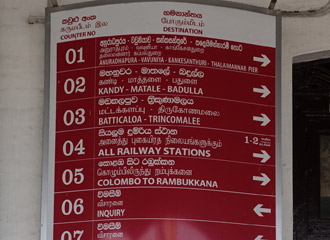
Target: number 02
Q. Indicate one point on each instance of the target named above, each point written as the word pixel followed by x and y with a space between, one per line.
pixel 76 86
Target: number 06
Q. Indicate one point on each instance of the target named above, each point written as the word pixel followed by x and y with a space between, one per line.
pixel 77 207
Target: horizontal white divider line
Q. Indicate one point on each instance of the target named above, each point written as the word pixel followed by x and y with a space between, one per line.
pixel 164 94
pixel 171 219
pixel 171 188
pixel 166 156
pixel 166 64
pixel 167 125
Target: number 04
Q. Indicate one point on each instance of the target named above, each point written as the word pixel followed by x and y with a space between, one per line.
pixel 69 148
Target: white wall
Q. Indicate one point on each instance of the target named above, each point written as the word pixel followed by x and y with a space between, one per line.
pixel 21 111
pixel 21 118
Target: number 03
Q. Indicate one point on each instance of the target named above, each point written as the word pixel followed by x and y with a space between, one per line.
pixel 77 117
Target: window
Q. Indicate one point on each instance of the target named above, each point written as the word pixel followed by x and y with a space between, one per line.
pixel 311 149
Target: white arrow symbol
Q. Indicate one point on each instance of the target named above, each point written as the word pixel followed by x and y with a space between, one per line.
pixel 264 119
pixel 264 90
pixel 264 60
pixel 264 156
pixel 264 179
pixel 259 210
pixel 260 237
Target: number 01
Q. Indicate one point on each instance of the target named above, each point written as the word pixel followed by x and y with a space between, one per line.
pixel 72 55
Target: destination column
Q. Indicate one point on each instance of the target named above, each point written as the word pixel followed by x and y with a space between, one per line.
pixel 184 139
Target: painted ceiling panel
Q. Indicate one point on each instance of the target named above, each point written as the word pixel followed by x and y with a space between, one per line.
pixel 259 3
pixel 300 5
pixel 287 5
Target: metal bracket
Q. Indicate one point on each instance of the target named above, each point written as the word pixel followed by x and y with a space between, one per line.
pixel 272 4
pixel 52 3
pixel 36 20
